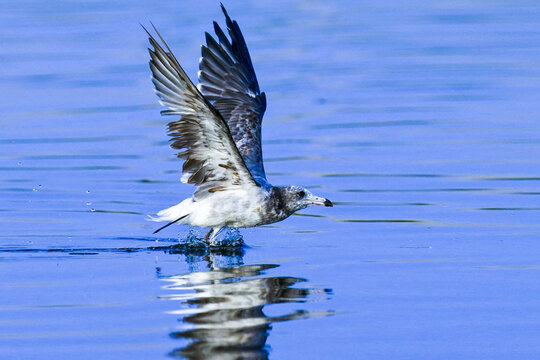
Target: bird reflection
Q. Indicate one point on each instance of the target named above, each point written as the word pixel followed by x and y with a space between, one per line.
pixel 222 314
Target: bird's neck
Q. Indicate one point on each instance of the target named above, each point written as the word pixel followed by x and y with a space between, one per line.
pixel 276 208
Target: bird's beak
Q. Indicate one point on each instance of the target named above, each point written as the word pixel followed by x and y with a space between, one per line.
pixel 315 200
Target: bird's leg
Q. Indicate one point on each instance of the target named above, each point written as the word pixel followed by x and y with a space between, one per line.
pixel 208 235
pixel 216 231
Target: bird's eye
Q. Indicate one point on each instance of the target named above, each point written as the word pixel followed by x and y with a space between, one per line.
pixel 301 194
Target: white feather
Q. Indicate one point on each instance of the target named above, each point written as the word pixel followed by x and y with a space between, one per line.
pixel 174 212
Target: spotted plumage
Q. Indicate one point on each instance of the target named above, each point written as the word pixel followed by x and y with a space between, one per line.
pixel 219 135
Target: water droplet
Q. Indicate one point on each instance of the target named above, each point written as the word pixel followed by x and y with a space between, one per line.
pixel 88 191
pixel 92 209
pixel 19 163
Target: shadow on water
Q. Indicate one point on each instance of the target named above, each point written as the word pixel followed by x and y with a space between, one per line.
pixel 222 306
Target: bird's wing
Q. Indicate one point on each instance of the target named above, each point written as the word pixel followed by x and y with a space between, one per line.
pixel 212 161
pixel 227 79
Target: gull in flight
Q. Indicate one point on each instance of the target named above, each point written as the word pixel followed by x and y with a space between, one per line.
pixel 219 135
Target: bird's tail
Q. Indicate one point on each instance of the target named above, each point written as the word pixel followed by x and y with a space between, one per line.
pixel 172 222
pixel 173 214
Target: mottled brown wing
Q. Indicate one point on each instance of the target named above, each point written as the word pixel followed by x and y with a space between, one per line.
pixel 212 161
pixel 227 79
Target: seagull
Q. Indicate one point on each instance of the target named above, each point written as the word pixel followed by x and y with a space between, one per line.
pixel 219 133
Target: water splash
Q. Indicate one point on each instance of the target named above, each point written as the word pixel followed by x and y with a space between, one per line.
pixel 227 238
pixel 193 240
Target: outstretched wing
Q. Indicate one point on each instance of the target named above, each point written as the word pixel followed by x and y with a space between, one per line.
pixel 227 79
pixel 212 161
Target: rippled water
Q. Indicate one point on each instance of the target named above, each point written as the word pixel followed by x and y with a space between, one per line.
pixel 418 119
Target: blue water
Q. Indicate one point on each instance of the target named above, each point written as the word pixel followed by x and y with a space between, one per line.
pixel 418 119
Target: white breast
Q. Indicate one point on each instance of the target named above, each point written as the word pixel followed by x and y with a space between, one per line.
pixel 234 208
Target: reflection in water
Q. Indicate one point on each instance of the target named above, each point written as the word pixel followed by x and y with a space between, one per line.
pixel 222 312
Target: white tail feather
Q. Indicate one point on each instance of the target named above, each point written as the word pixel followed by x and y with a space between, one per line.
pixel 174 212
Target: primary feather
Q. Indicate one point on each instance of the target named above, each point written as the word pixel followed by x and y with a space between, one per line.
pixel 227 79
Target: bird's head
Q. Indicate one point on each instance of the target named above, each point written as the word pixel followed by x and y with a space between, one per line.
pixel 299 198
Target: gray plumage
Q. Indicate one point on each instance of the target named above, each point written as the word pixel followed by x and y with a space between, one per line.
pixel 227 79
pixel 219 133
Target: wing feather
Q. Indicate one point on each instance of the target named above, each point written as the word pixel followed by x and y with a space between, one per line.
pixel 227 79
pixel 212 160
